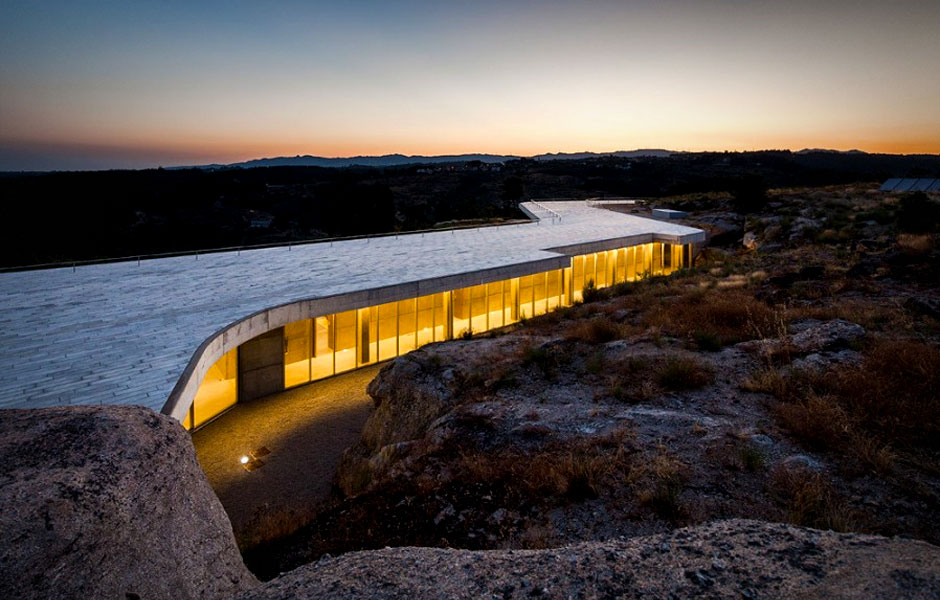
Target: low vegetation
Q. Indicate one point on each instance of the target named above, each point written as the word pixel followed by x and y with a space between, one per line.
pixel 682 399
pixel 888 404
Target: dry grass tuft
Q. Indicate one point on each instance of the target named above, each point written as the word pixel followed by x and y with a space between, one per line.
pixel 888 404
pixel 818 421
pixel 715 318
pixel 679 373
pixel 659 482
pixel 598 330
pixel 575 471
pixel 811 501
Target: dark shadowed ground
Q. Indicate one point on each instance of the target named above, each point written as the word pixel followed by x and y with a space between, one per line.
pixel 306 430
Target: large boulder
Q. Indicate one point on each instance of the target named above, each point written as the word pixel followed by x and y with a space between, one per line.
pixel 409 394
pixel 109 502
pixel 725 559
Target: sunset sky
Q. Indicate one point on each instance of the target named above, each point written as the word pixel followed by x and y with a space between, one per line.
pixel 128 84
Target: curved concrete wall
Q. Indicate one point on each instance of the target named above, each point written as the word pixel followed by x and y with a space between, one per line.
pixel 263 321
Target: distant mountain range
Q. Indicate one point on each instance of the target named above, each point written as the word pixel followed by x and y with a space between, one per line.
pixel 392 160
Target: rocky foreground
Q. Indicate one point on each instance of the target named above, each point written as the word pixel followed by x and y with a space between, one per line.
pixel 726 559
pixel 109 502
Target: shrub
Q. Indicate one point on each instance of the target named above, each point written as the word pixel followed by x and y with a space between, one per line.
pixel 716 317
pixel 818 421
pixel 596 363
pixel 917 213
pixel 540 358
pixel 888 404
pixel 590 293
pixel 707 341
pixel 811 501
pixel 661 481
pixel 599 330
pixel 752 459
pixel 679 373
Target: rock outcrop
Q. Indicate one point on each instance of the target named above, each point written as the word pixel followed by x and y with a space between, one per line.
pixel 812 337
pixel 109 502
pixel 724 559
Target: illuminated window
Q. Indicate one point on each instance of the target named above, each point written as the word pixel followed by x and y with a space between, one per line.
pixel 540 300
pixel 219 388
pixel 426 319
pixel 511 298
pixel 345 352
pixel 388 330
pixel 461 311
pixel 601 268
pixel 478 308
pixel 406 325
pixel 577 277
pixel 525 297
pixel 553 289
pixel 441 317
pixel 321 365
pixel 494 304
pixel 298 344
pixel 642 261
pixel 368 335
pixel 589 266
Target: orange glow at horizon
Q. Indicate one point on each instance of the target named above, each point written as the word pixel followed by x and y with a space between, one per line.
pixel 209 82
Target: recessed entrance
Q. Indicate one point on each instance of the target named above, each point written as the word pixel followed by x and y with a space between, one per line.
pixel 261 366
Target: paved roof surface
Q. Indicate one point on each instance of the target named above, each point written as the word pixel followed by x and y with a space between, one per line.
pixel 122 333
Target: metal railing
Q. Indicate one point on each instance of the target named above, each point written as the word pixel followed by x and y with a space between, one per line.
pixel 541 206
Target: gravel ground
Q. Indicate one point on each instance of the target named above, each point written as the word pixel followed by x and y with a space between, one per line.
pixel 306 430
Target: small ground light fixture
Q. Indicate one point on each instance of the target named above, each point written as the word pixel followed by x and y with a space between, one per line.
pixel 244 460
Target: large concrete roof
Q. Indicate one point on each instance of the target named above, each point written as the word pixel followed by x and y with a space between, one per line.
pixel 123 333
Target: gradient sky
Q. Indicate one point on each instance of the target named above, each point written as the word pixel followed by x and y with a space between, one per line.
pixel 128 84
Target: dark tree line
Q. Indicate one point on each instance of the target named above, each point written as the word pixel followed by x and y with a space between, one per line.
pixel 85 215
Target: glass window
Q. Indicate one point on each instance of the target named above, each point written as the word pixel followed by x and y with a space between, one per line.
pixel 511 295
pixel 461 311
pixel 406 326
pixel 219 388
pixel 525 297
pixel 621 265
pixel 642 261
pixel 478 308
pixel 631 263
pixel 657 258
pixel 577 277
pixel 368 335
pixel 538 293
pixel 494 304
pixel 298 344
pixel 441 319
pixel 426 319
pixel 601 267
pixel 388 330
pixel 322 363
pixel 589 274
pixel 553 289
pixel 345 353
